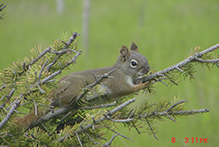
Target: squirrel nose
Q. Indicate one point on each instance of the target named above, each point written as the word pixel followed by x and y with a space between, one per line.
pixel 146 69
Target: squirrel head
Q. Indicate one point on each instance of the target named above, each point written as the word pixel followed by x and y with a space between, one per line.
pixel 132 62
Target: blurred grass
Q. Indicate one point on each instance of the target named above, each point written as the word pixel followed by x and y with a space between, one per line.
pixel 165 32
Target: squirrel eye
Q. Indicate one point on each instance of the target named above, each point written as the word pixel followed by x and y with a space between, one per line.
pixel 134 63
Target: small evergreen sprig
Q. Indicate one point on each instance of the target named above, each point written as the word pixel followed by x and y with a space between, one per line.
pixel 27 83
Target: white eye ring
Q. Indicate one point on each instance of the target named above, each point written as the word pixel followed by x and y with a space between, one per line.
pixel 133 63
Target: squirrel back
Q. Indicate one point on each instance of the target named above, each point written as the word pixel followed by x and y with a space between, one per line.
pixel 129 66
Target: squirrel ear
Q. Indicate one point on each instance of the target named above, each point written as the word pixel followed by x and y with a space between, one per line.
pixel 134 47
pixel 125 53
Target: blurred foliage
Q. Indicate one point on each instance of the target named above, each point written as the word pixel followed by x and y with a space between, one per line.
pixel 165 31
pixel 25 77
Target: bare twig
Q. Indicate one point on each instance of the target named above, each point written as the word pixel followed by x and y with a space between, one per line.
pixel 7 117
pixel 119 120
pixel 40 74
pixel 118 133
pixel 73 60
pixel 135 127
pixel 41 71
pixel 43 81
pixel 71 39
pixel 162 82
pixel 187 112
pixel 25 67
pixel 10 94
pixel 61 138
pixel 179 69
pixel 194 58
pixel 94 122
pixel 210 49
pixel 48 79
pixel 2 87
pixel 170 118
pixel 79 139
pixel 174 105
pixel 39 56
pixel 65 49
pixel 106 75
pixel 75 57
pixel 207 61
pixel 132 112
pixel 8 98
pixel 1 8
pixel 109 143
pixel 151 128
pixel 35 107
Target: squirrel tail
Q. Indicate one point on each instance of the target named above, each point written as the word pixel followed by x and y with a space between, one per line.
pixel 28 120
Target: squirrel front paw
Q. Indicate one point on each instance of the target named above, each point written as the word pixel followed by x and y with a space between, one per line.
pixel 141 85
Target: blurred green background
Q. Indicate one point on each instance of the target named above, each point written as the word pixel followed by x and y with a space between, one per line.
pixel 165 32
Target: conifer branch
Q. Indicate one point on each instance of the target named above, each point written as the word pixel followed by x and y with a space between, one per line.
pixel 39 56
pixel 109 113
pixel 49 115
pixel 8 98
pixel 64 50
pixel 194 58
pixel 158 113
pixel 11 111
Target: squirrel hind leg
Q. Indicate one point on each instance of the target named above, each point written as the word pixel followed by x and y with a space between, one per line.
pixel 27 120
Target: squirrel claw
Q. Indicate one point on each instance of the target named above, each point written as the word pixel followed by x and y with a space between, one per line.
pixel 141 85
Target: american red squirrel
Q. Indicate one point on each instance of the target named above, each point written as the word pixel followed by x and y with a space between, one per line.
pixel 129 66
